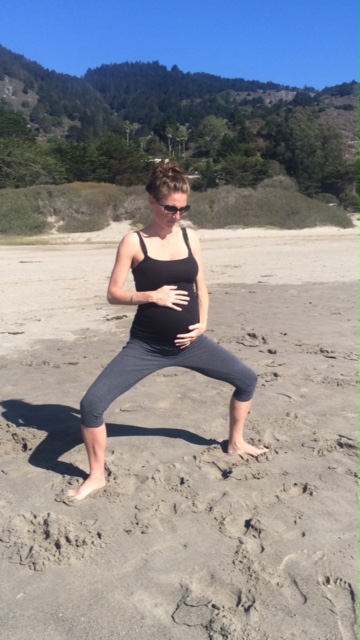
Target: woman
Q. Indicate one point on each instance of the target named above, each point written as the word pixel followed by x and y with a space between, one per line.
pixel 169 326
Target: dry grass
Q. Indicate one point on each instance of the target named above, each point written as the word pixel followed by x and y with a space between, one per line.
pixel 86 207
pixel 274 203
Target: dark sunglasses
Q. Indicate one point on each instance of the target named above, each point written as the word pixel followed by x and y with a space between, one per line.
pixel 169 208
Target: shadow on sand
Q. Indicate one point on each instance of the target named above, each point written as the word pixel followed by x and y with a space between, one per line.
pixel 61 424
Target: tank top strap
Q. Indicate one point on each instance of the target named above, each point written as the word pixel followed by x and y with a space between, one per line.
pixel 142 244
pixel 186 239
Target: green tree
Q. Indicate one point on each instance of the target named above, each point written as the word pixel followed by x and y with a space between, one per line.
pixel 207 179
pixel 119 163
pixel 128 130
pixel 242 171
pixel 40 117
pixel 303 99
pixel 154 147
pixel 24 164
pixel 170 134
pixel 349 198
pixel 210 133
pixel 305 140
pixel 14 125
pixel 79 160
pixel 230 146
pixel 311 152
pixel 181 138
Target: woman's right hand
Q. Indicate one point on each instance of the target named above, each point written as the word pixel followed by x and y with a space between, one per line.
pixel 170 296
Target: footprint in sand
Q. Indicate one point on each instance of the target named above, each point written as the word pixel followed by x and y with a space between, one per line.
pixel 150 517
pixel 225 625
pixel 269 376
pixel 193 610
pixel 253 532
pixel 294 489
pixel 252 339
pixel 215 460
pixel 174 477
pixel 15 440
pixel 219 619
pixel 224 467
pixel 120 486
pixel 349 446
pixel 342 596
pixel 294 586
pixel 298 579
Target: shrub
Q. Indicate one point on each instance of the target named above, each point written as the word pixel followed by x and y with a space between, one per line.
pixel 327 198
pixel 80 207
pixel 350 201
pixel 70 208
pixel 282 182
pixel 20 213
pixel 264 207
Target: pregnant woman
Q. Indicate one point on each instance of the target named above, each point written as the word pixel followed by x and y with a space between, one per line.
pixel 169 326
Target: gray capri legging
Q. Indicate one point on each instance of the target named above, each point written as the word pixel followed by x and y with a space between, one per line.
pixel 138 359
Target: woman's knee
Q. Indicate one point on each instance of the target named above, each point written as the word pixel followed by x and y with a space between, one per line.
pixel 253 379
pixel 91 414
pixel 245 391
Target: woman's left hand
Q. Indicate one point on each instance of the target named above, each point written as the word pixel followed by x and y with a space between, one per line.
pixel 183 340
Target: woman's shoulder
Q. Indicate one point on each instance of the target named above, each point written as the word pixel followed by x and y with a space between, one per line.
pixel 192 235
pixel 190 231
pixel 129 243
pixel 130 239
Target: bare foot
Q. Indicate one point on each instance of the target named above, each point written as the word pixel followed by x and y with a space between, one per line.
pixel 88 487
pixel 244 448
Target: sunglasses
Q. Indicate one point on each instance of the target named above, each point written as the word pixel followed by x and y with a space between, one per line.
pixel 169 208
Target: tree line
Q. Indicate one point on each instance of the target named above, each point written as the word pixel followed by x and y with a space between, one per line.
pixel 119 118
pixel 238 151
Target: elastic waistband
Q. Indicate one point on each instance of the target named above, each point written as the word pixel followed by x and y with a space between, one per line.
pixel 157 348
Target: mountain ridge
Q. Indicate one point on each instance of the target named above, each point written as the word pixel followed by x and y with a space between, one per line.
pixel 108 125
pixel 143 92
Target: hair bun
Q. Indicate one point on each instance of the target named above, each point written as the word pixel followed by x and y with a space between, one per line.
pixel 168 169
pixel 167 177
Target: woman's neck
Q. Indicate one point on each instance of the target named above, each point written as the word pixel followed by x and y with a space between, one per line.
pixel 161 232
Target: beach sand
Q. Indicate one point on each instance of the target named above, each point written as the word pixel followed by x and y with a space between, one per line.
pixel 185 543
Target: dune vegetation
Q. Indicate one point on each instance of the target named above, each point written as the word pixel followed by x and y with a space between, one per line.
pixel 86 207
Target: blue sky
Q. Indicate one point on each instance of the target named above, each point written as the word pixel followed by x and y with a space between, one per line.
pixel 292 42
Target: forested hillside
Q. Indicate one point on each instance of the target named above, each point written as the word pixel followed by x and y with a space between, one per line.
pixel 107 126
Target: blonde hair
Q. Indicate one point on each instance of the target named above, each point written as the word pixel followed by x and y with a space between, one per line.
pixel 167 178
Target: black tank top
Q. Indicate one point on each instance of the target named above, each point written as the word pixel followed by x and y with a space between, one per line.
pixel 156 324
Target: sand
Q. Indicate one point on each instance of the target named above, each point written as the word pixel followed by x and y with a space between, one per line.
pixel 186 543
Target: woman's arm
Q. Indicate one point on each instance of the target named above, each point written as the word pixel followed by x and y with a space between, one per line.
pixel 124 258
pixel 168 296
pixel 201 288
pixel 183 340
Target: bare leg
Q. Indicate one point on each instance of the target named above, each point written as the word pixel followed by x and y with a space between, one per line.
pixel 237 444
pixel 95 444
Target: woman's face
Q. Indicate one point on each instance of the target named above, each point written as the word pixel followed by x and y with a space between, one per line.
pixel 164 218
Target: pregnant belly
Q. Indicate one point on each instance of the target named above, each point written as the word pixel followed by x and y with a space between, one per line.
pixel 161 324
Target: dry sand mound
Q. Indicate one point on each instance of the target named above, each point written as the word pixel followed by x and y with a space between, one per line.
pixel 41 540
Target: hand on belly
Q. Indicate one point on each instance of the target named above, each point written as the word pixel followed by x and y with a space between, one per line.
pixel 185 339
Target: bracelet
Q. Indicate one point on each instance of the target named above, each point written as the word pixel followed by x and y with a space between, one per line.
pixel 132 299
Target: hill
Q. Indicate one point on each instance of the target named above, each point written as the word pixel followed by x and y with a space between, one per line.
pixel 107 126
pixel 148 94
pixel 52 102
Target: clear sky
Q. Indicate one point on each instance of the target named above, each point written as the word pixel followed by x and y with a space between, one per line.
pixel 291 42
